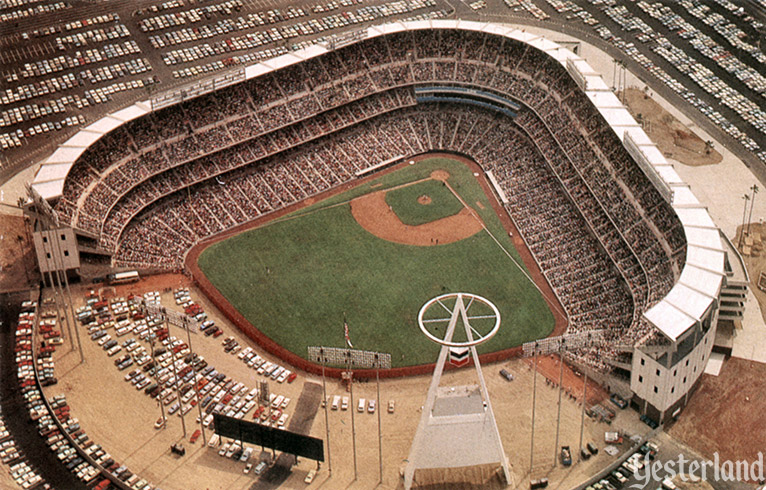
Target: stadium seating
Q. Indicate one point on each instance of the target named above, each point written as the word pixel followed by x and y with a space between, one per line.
pixel 608 243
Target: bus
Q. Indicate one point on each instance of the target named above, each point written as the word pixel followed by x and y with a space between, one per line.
pixel 124 277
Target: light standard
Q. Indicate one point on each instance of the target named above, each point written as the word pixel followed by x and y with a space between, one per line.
pixel 744 213
pixel 752 205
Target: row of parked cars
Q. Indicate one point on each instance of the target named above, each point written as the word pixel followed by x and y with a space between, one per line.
pixel 263 367
pixel 135 66
pixel 621 475
pixel 341 402
pixel 104 94
pixel 32 10
pixel 697 72
pixel 265 54
pixel 34 111
pixel 19 468
pixel 39 88
pixel 35 403
pixel 175 375
pixel 191 16
pixel 18 137
pixel 256 39
pixel 97 35
pixel 78 58
pixel 226 26
pixel 87 447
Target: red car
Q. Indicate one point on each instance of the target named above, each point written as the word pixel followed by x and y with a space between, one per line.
pixel 195 436
pixel 292 377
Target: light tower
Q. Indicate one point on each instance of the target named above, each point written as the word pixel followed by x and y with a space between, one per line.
pixel 457 428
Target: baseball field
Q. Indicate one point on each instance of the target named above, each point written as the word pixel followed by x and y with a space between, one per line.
pixel 374 255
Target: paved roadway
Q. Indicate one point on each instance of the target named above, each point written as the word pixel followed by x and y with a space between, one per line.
pixel 16 417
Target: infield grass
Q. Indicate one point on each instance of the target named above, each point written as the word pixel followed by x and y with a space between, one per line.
pixel 404 202
pixel 294 278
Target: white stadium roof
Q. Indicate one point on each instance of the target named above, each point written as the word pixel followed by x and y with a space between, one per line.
pixel 703 274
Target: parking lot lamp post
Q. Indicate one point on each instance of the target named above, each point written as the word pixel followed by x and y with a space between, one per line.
pixel 59 255
pixel 558 416
pixel 323 360
pixel 744 214
pixel 380 434
pixel 534 399
pixel 175 377
pixel 196 382
pixel 752 205
pixel 582 416
pixel 154 363
pixel 351 389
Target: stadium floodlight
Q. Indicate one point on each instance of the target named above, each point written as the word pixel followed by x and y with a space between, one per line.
pixel 350 359
pixel 560 344
pixel 171 316
pixel 355 358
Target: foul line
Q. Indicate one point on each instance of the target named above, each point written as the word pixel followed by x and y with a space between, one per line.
pixel 298 214
pixel 555 303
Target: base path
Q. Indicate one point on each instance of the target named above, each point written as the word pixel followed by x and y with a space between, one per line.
pixel 374 215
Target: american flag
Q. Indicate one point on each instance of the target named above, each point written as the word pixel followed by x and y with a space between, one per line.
pixel 345 332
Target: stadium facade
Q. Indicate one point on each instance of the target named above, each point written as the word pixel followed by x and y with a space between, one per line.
pixel 674 273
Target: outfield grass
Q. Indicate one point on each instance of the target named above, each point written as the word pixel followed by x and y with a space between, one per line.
pixel 296 277
pixel 404 202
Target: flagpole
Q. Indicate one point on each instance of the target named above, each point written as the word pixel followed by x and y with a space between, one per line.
pixel 380 433
pixel 326 417
pixel 353 426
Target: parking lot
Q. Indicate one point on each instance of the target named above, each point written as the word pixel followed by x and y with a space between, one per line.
pixel 65 69
pixel 705 58
pixel 122 419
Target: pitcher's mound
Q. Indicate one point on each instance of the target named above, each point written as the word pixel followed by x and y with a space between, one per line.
pixel 424 200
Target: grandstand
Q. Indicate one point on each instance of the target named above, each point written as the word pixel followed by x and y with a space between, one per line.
pixel 142 186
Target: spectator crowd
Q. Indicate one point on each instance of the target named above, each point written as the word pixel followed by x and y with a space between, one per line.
pixel 606 240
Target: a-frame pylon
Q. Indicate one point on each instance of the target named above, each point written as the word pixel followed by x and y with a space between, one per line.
pixel 457 427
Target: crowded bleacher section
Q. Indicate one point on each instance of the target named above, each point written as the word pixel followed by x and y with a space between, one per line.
pixel 605 239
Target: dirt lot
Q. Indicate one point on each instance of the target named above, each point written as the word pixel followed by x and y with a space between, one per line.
pixel 572 381
pixel 755 259
pixel 673 138
pixel 121 419
pixel 725 415
pixel 17 262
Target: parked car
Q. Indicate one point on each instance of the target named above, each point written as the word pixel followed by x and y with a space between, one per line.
pixel 566 456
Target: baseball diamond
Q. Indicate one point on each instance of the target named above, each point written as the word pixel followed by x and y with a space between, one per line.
pixel 351 255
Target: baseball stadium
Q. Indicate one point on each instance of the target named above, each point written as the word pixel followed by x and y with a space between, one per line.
pixel 320 198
